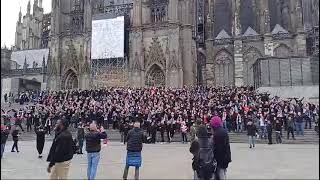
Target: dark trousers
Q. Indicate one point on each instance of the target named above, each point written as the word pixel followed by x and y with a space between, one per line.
pixel 20 126
pixel 269 138
pixel 80 141
pixel 29 127
pixel 49 129
pixel 290 130
pixel 308 121
pixel 184 137
pixel 153 137
pixel 168 136
pixel 126 170
pixel 15 145
pixel 40 145
pixel 162 136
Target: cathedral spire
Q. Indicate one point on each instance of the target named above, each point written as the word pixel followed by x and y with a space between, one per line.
pixel 40 3
pixel 28 7
pixel 20 15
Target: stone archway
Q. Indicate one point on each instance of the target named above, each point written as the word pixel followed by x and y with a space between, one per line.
pixel 155 76
pixel 71 80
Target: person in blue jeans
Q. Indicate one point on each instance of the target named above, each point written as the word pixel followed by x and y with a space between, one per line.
pixel 93 148
pixel 299 124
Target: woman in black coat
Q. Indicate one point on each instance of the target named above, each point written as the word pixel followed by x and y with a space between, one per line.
pixel 40 139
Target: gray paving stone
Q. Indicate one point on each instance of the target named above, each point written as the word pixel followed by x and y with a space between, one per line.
pixel 172 161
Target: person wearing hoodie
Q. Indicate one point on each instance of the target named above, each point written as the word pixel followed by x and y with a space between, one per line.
pixel 93 148
pixel 202 150
pixel 221 145
pixel 134 147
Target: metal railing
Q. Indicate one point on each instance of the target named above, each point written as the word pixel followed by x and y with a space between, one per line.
pixel 289 71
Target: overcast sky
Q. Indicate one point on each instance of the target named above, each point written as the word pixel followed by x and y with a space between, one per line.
pixel 9 17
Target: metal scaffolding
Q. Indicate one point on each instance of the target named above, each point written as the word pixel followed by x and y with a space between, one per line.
pixel 111 72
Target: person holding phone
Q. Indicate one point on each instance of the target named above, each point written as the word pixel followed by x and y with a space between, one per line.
pixel 93 148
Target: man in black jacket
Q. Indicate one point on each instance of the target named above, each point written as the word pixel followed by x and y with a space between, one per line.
pixel 221 146
pixel 134 147
pixel 93 147
pixel 61 151
pixel 4 136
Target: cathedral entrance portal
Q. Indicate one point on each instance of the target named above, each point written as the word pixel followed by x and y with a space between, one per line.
pixel 155 76
pixel 71 80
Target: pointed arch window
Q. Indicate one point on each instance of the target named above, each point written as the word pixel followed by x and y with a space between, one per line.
pixel 224 69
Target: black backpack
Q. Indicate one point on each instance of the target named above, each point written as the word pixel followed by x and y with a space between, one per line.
pixel 205 161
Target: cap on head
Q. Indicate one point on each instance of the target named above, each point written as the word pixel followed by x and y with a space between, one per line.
pixel 216 122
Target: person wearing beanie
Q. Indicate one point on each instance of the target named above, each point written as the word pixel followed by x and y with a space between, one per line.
pixel 202 150
pixel 221 146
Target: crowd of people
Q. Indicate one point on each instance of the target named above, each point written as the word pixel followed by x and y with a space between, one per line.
pixel 194 112
pixel 164 110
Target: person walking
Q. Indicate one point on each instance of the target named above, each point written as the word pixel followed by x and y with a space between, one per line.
pixel 269 132
pixel 15 137
pixel 184 130
pixel 290 127
pixel 41 132
pixel 134 147
pixel 48 125
pixel 204 163
pixel 278 127
pixel 251 132
pixel 93 148
pixel 299 124
pixel 29 122
pixel 4 136
pixel 80 137
pixel 222 152
pixel 61 151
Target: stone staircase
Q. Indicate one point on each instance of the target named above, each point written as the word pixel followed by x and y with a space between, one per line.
pixel 310 137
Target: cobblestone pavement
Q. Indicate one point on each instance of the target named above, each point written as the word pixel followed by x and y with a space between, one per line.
pixel 172 161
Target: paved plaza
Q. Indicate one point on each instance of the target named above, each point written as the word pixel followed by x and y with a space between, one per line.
pixel 172 161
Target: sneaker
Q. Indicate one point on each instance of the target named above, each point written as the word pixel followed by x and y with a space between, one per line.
pixel 18 151
pixel 250 147
pixel 253 145
pixel 12 151
pixel 40 156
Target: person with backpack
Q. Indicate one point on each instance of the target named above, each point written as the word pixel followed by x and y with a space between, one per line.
pixel 204 163
pixel 222 152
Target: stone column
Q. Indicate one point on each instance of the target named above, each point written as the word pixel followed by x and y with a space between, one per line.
pixel 264 17
pixel 238 56
pixel 301 45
